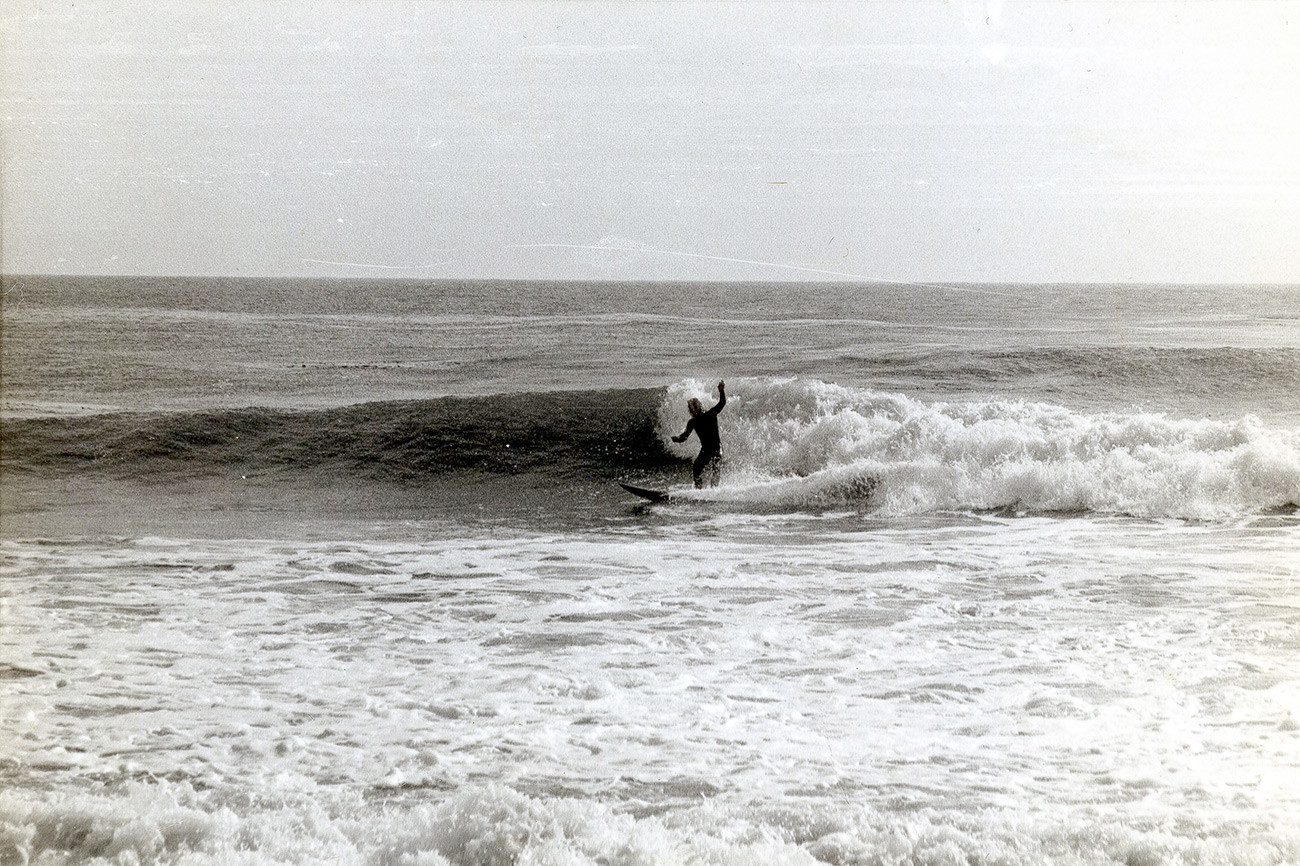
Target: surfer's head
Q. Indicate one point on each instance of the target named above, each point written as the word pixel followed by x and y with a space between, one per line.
pixel 693 404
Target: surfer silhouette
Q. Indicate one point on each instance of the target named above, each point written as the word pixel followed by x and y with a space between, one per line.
pixel 705 425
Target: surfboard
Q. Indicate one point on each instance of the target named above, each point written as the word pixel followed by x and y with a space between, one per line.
pixel 646 493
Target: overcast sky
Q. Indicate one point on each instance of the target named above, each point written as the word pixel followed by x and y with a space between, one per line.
pixel 909 141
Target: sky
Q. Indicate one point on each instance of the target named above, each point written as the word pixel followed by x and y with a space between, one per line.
pixel 916 141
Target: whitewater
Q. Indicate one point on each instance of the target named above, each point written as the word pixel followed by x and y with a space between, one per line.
pixel 313 572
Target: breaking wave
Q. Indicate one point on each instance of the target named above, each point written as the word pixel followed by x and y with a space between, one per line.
pixel 172 823
pixel 803 440
pixel 788 443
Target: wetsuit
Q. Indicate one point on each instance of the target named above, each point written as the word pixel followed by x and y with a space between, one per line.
pixel 705 426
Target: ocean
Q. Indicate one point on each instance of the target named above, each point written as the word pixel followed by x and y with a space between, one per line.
pixel 340 571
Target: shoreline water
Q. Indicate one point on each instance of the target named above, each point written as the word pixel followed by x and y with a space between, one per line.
pixel 796 689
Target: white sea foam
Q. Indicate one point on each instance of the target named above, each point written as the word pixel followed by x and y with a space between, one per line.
pixel 494 825
pixel 803 441
pixel 737 688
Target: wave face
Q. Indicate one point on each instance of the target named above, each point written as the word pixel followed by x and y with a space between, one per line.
pixel 561 433
pixel 802 441
pixel 788 443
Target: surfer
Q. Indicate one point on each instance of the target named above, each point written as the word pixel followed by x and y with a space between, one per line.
pixel 705 425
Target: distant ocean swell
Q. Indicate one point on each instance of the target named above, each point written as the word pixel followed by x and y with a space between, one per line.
pixel 789 443
pixel 1183 368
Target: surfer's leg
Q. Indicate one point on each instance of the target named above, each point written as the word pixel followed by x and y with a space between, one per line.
pixel 697 468
pixel 706 469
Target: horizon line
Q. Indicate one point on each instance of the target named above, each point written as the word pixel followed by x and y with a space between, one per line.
pixel 938 285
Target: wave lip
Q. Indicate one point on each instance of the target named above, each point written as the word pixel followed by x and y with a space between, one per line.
pixel 803 440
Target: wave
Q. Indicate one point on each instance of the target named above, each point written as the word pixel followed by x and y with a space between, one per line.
pixel 788 443
pixel 1145 368
pixel 802 441
pixel 560 433
pixel 1222 382
pixel 167 822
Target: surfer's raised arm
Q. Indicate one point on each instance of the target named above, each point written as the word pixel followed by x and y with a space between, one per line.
pixel 722 397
